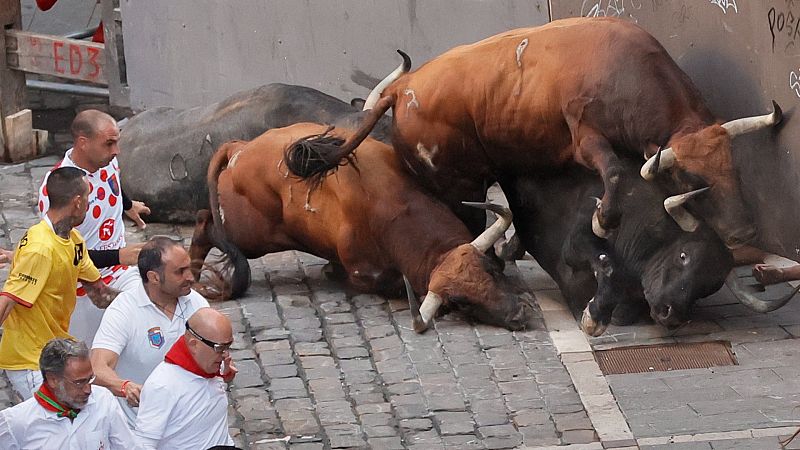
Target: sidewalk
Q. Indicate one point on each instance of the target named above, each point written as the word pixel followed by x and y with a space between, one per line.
pixel 321 367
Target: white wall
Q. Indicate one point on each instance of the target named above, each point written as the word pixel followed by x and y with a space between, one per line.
pixel 185 53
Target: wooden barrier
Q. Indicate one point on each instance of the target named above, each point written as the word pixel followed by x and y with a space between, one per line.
pixel 25 52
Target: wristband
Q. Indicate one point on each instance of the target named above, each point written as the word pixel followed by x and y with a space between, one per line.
pixel 124 383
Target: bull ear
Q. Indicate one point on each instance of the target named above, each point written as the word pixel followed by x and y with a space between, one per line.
pixel 750 124
pixel 492 234
pixel 662 160
pixel 674 207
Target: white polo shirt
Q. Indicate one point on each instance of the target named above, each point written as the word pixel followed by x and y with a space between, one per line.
pixel 141 334
pixel 100 425
pixel 179 409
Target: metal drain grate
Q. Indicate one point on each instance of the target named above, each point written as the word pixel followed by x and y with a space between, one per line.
pixel 663 357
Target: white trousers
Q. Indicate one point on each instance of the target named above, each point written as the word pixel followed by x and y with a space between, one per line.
pixel 86 318
pixel 25 382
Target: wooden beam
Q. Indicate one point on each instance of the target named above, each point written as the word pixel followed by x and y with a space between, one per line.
pixel 56 55
pixel 20 139
pixel 12 82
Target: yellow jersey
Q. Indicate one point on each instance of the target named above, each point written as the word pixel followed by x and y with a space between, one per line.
pixel 42 281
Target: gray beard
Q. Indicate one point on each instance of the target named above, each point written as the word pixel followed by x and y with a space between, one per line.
pixel 62 396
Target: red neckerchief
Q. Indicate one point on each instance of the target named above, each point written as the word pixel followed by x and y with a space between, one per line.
pixel 180 356
pixel 49 402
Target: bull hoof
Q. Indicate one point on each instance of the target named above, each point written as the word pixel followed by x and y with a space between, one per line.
pixel 590 326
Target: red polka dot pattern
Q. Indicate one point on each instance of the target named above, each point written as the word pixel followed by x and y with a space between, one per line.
pixel 41 205
pixel 101 193
pixel 112 200
pixel 103 175
pixel 44 191
pixel 96 211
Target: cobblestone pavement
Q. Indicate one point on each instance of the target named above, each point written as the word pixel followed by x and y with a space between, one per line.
pixel 322 367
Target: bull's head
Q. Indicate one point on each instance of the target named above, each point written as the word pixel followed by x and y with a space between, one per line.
pixel 704 158
pixel 469 280
pixel 692 267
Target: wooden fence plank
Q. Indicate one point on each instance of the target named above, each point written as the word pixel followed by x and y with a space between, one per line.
pixel 55 55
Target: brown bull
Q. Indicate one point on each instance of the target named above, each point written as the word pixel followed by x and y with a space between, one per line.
pixel 375 223
pixel 577 89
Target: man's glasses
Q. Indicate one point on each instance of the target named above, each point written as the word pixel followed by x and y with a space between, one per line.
pixel 219 348
pixel 81 383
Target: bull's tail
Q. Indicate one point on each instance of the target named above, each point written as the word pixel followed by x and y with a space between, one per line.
pixel 313 157
pixel 240 278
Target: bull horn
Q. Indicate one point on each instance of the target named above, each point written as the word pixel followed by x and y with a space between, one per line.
pixel 598 229
pixel 590 326
pixel 749 300
pixel 750 124
pixel 376 92
pixel 662 160
pixel 674 207
pixel 413 306
pixel 497 230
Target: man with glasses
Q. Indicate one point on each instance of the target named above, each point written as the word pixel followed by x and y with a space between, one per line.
pixel 183 402
pixel 66 412
pixel 143 323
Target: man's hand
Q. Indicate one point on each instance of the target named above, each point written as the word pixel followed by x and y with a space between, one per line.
pixel 135 213
pixel 133 392
pixel 6 256
pixel 99 293
pixel 767 274
pixel 129 255
pixel 228 369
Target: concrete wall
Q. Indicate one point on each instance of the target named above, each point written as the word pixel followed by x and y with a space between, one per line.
pixel 64 17
pixel 741 55
pixel 192 52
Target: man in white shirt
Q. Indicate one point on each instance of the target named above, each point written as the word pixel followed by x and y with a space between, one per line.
pixel 67 412
pixel 183 402
pixel 141 325
pixel 95 150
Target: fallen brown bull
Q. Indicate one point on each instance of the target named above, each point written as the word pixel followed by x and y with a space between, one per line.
pixel 374 223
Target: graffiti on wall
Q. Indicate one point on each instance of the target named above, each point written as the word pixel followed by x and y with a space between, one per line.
pixel 784 27
pixel 726 5
pixel 611 8
pixel 794 82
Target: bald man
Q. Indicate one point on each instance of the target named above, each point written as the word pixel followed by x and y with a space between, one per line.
pixel 95 150
pixel 183 402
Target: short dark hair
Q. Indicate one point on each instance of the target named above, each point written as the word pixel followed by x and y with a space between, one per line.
pixel 64 184
pixel 150 257
pixel 55 354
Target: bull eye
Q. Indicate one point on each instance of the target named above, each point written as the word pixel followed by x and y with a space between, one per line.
pixel 684 258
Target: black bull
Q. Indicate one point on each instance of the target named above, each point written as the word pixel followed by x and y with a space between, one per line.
pixel 648 258
pixel 165 151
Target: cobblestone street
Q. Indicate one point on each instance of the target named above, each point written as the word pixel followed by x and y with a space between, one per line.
pixel 322 367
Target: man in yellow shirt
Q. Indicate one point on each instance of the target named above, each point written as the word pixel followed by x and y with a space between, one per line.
pixel 39 295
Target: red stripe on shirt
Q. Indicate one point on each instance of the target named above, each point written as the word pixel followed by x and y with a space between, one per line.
pixel 17 299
